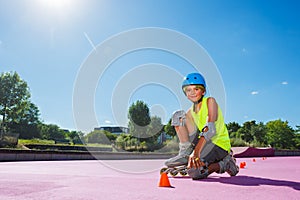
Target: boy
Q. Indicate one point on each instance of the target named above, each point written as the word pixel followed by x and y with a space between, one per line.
pixel 212 151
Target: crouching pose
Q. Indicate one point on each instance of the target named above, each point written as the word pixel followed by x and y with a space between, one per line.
pixel 211 152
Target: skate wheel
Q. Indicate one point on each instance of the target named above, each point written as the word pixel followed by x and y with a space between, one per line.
pixel 173 173
pixel 183 173
pixel 163 170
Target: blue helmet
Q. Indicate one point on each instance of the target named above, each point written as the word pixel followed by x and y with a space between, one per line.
pixel 193 79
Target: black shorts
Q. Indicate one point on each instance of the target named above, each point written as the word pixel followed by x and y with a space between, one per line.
pixel 212 153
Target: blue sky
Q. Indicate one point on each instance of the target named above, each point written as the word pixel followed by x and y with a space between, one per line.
pixel 254 44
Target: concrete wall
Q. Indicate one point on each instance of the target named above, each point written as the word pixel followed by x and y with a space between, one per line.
pixel 35 155
pixel 287 153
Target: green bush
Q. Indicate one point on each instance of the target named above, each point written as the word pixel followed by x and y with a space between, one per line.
pixel 237 142
pixel 170 146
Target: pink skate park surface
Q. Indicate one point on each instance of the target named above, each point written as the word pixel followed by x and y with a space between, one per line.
pixel 261 178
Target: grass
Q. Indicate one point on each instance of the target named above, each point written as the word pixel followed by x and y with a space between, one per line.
pixel 50 142
pixel 97 145
pixel 35 141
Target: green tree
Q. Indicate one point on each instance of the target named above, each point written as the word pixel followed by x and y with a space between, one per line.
pixel 52 132
pixel 280 135
pixel 259 131
pixel 126 141
pixel 245 131
pixel 139 119
pixel 297 137
pixel 26 122
pixel 297 131
pixel 233 128
pixel 169 129
pixel 154 131
pixel 139 114
pixel 98 136
pixel 120 141
pixel 14 97
pixel 77 137
pixel 112 137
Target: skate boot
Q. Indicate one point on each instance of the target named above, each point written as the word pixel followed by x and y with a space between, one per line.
pixel 182 158
pixel 178 164
pixel 228 164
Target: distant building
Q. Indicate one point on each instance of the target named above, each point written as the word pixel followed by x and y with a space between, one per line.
pixel 113 129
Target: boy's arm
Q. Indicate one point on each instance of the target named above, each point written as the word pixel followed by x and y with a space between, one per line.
pixel 212 109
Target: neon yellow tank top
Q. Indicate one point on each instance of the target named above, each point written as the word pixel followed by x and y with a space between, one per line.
pixel 221 138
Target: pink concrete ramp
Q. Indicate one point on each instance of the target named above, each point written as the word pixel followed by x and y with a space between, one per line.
pixel 241 152
pixel 271 178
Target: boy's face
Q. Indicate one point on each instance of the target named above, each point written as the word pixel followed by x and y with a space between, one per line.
pixel 194 92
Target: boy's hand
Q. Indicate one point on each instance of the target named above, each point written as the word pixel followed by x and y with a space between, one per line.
pixel 195 162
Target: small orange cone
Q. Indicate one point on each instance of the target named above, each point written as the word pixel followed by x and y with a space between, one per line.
pixel 164 180
pixel 242 165
pixel 254 160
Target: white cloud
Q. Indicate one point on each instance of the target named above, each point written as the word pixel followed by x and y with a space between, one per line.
pixel 107 122
pixel 254 92
pixel 284 83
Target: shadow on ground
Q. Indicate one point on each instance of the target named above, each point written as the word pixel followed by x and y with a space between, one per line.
pixel 252 181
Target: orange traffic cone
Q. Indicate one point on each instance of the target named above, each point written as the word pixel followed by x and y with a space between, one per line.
pixel 164 180
pixel 242 165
